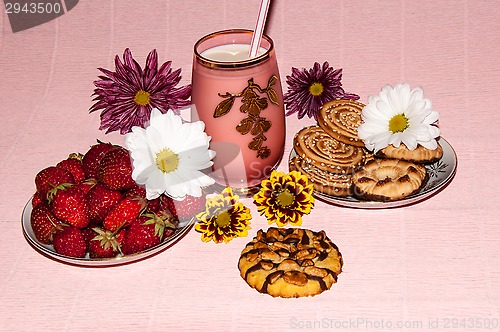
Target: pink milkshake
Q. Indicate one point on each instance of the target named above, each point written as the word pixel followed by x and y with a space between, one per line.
pixel 240 99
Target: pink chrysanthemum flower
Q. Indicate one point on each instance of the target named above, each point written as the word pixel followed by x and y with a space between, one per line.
pixel 128 95
pixel 309 89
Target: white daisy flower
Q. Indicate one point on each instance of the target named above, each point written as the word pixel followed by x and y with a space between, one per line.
pixel 399 115
pixel 169 155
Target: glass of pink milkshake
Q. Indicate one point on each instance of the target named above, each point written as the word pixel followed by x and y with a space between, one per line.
pixel 240 99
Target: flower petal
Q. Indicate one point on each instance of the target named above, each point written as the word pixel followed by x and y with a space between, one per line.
pixel 431 118
pixel 409 140
pixel 434 131
pixel 431 144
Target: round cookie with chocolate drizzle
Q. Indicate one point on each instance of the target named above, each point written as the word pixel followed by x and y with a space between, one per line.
pixel 340 118
pixel 290 262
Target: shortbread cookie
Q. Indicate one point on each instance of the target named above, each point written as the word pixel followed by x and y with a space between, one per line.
pixel 333 184
pixel 341 118
pixel 291 262
pixel 419 155
pixel 388 179
pixel 318 148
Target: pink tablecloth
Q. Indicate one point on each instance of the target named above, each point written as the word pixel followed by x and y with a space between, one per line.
pixel 430 266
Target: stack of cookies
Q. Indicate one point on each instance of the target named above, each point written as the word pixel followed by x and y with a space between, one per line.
pixel 336 161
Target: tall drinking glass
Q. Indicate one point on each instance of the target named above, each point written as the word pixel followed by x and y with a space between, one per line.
pixel 240 99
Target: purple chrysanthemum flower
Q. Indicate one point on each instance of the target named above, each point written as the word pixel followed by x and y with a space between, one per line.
pixel 128 95
pixel 309 89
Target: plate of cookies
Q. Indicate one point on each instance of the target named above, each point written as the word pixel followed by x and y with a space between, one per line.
pixel 345 173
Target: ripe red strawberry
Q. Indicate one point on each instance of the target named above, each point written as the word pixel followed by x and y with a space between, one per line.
pixel 101 200
pixel 70 242
pixel 50 177
pixel 86 185
pixel 168 233
pixel 137 190
pixel 88 233
pixel 115 170
pixel 105 243
pixel 153 204
pixel 74 165
pixel 166 223
pixel 44 223
pixel 185 209
pixel 91 159
pixel 126 211
pixel 36 199
pixel 140 235
pixel 70 205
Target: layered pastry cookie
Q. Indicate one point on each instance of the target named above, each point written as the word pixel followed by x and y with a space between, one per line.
pixel 321 150
pixel 341 118
pixel 388 179
pixel 291 262
pixel 339 185
pixel 419 155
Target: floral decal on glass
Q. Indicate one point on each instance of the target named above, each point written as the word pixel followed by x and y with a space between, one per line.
pixel 254 99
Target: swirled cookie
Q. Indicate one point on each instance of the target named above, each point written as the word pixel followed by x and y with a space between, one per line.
pixel 291 262
pixel 388 179
pixel 419 155
pixel 339 185
pixel 341 118
pixel 318 148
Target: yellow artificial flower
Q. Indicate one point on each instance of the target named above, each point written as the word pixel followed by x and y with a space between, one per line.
pixel 224 218
pixel 285 198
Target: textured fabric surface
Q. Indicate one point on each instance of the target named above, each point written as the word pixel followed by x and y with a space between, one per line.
pixel 430 266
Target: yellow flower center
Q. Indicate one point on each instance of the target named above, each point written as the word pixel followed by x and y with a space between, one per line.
pixel 142 98
pixel 398 123
pixel 285 198
pixel 223 219
pixel 316 89
pixel 167 161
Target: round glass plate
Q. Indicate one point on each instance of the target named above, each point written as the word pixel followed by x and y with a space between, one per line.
pixel 48 250
pixel 440 174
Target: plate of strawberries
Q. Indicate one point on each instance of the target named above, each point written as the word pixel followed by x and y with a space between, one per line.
pixel 88 211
